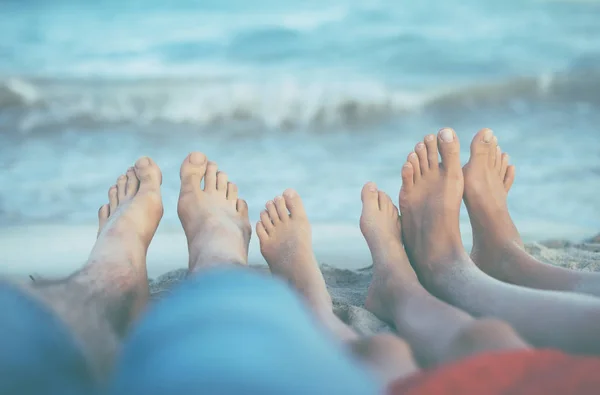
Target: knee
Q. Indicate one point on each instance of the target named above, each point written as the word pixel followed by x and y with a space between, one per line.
pixel 388 356
pixel 384 344
pixel 486 335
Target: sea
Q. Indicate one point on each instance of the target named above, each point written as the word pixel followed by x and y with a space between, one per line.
pixel 321 96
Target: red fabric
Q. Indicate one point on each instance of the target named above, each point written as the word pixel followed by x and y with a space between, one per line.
pixel 531 372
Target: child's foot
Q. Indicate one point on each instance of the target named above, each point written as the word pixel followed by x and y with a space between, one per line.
pixel 286 243
pixel 488 178
pixel 393 277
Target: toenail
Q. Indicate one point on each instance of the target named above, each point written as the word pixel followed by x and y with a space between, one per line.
pixel 488 136
pixel 122 178
pixel 290 193
pixel 196 158
pixel 278 198
pixel 270 203
pixel 142 162
pixel 447 135
pixel 430 137
pixel 413 155
pixel 372 187
pixel 420 146
pixel 408 165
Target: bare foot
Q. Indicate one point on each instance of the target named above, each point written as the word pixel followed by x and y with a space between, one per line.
pixel 215 221
pixel 286 243
pixel 430 201
pixel 488 178
pixel 393 277
pixel 126 227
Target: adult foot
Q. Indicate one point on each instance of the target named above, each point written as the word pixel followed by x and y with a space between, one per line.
pixel 393 277
pixel 215 221
pixel 488 178
pixel 286 243
pixel 430 201
pixel 126 227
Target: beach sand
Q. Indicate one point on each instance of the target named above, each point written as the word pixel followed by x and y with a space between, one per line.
pixel 348 288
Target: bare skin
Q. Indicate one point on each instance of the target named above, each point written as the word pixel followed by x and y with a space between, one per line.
pixel 100 302
pixel 436 331
pixel 286 243
pixel 497 246
pixel 430 206
pixel 215 221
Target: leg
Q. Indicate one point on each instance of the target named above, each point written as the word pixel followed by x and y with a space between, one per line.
pixel 228 330
pixel 285 242
pixel 437 331
pixel 497 246
pixel 430 207
pixel 99 302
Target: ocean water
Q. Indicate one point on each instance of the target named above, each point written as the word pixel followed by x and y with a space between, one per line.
pixel 319 96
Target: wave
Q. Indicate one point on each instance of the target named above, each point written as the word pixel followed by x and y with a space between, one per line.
pixel 31 104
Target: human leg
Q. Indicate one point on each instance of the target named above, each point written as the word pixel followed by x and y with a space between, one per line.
pixel 497 246
pixel 437 331
pixel 286 243
pixel 226 329
pixel 430 208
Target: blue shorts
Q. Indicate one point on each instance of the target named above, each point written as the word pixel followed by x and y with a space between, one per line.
pixel 226 331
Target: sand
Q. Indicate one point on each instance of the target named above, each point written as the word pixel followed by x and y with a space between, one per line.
pixel 348 288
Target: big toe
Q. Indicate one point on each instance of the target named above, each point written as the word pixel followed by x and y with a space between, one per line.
pixel 294 204
pixel 482 146
pixel 148 173
pixel 449 147
pixel 192 171
pixel 369 197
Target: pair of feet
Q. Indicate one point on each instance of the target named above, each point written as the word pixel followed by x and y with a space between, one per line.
pixel 218 230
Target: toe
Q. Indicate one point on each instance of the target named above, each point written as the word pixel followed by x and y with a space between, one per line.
pixel 272 211
pixel 408 176
pixel 384 201
pixel 192 171
pixel 481 146
pixel 103 216
pixel 281 208
pixel 504 160
pixel 432 152
pixel 266 221
pixel 449 150
pixel 113 200
pixel 210 178
pixel 133 184
pixel 261 231
pixel 370 197
pixel 509 179
pixel 232 191
pixel 493 152
pixel 294 204
pixel 413 159
pixel 148 173
pixel 498 159
pixel 421 152
pixel 121 187
pixel 242 207
pixel 222 180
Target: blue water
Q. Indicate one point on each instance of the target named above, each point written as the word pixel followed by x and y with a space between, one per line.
pixel 319 96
